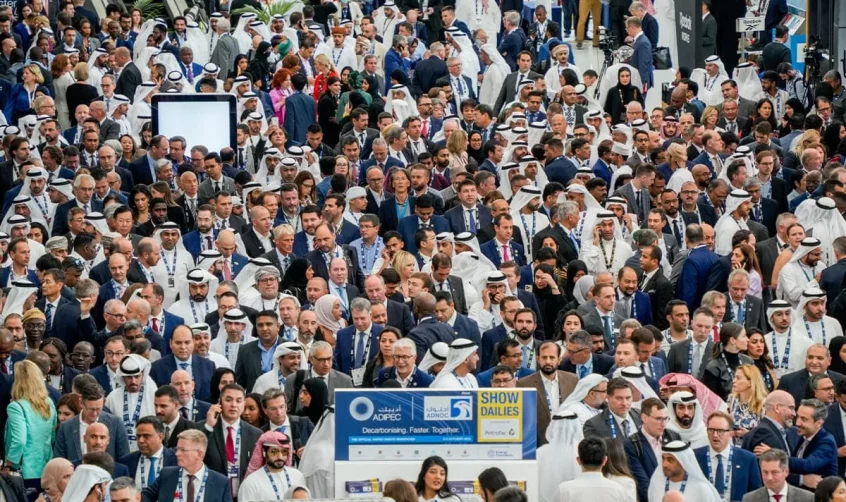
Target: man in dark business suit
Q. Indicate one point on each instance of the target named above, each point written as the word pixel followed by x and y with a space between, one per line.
pixel 558 168
pixel 743 308
pixel 769 250
pixel 356 345
pixel 144 464
pixel 643 448
pixel 682 355
pixel 325 247
pixel 441 268
pixel 648 22
pixel 740 474
pixel 182 357
pixel 513 39
pixel 429 70
pixel 470 215
pixel 835 422
pixel 142 167
pixel 582 360
pixel 197 447
pixel 774 429
pixel 817 452
pixel 251 364
pixel 167 410
pixel 67 444
pixel 428 330
pixel 618 420
pixel 129 76
pixel 817 361
pixel 642 57
pixel 222 425
pixel 655 284
pixel 832 276
pixel 512 81
pixel 777 51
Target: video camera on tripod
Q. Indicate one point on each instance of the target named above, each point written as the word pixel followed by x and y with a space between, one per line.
pixel 607 41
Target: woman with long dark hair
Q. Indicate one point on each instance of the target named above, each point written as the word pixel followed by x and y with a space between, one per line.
pixel 545 289
pixel 756 348
pixel 475 147
pixel 384 359
pixel 616 468
pixel 220 379
pixel 327 107
pixel 832 137
pixel 433 482
pixel 567 324
pixel 620 95
pixel 253 412
pixel 830 489
pixel 139 202
pixel 727 356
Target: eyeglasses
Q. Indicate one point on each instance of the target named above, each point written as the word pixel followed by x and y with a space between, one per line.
pixel 662 420
pixel 402 357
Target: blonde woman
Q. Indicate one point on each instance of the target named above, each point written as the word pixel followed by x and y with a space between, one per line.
pixel 325 69
pixel 24 93
pixel 405 264
pixel 80 92
pixel 677 162
pixel 62 79
pixel 457 146
pixel 31 426
pixel 746 401
pixel 805 140
pixel 709 119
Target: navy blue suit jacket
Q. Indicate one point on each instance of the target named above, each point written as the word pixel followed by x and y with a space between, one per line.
pixel 192 244
pixel 490 338
pixel 60 220
pixel 602 364
pixel 217 487
pixel 171 321
pixel 601 170
pixel 467 328
pixel 30 274
pixel 705 160
pixel 120 469
pixel 767 433
pixel 694 276
pixel 642 59
pixel 834 425
pixel 388 212
pixel 819 457
pixel 561 170
pixel 643 308
pixel 650 28
pixel 409 225
pixel 429 331
pixel 420 380
pixel 141 172
pixel 643 465
pixel 530 301
pixel 349 233
pixel 344 346
pixel 131 461
pixel 300 244
pixel 367 164
pixel 511 46
pixel 745 474
pixel 491 251
pixel 455 217
pixel 101 374
pixel 201 370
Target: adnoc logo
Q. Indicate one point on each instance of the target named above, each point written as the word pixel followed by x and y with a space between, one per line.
pixel 447 408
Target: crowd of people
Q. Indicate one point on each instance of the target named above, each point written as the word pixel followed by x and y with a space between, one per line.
pixel 420 196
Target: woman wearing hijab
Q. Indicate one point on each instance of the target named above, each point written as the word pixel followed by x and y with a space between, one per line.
pixel 315 397
pixel 475 147
pixel 377 103
pixel 550 299
pixel 620 95
pixel 327 108
pixel 57 473
pixel 260 67
pixel 330 318
pixel 576 269
pixel 791 107
pixel 355 84
pixel 837 348
pixel 296 278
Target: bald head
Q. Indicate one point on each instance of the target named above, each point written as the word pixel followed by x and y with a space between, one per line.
pixel 226 237
pixel 40 359
pixel 424 304
pixel 779 398
pixel 7 341
pixel 96 437
pixel 673 496
pixel 138 306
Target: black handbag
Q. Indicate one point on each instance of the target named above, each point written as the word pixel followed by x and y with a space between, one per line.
pixel 661 59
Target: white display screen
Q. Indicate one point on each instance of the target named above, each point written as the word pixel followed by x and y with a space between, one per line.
pixel 207 120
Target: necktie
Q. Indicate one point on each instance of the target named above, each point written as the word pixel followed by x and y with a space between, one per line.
pixel 525 349
pixel 49 315
pixel 230 447
pixel 425 129
pixel 801 451
pixel 227 272
pixel 190 489
pixel 582 372
pixel 152 476
pixel 342 294
pixel 472 222
pixel 677 231
pixel 85 208
pixel 359 350
pixel 606 323
pixel 216 187
pixel 505 253
pixel 720 478
pixel 777 497
pixel 626 428
pixel 190 74
pixel 574 241
pixel 697 355
pixel 184 366
pixel 208 242
pixel 643 368
pixel 741 315
pixel 241 158
pixel 167 434
pixel 184 412
pixel 758 213
pixel 637 199
pixel 361 137
pixel 108 104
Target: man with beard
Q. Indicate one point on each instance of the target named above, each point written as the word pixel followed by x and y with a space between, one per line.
pixel 289 211
pixel 555 384
pixel 175 260
pixel 787 349
pixel 817 362
pixel 310 218
pixel 203 238
pixel 333 215
pixel 276 448
pixel 133 370
pixel 775 428
pixel 158 215
pixel 816 456
pixel 686 418
pixel 692 210
pixel 326 248
pixel 801 272
pixel 606 252
pixel 198 304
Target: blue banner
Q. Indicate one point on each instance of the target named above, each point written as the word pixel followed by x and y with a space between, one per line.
pixel 482 424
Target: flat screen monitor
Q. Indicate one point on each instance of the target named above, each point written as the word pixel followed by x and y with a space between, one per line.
pixel 202 119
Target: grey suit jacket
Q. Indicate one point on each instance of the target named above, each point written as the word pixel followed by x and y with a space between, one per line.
pixel 678 265
pixel 672 247
pixel 642 211
pixel 509 89
pixel 68 443
pixel 224 55
pixel 756 316
pixel 109 129
pixel 767 252
pixel 206 190
pixel 677 358
pixel 793 495
pixel 337 380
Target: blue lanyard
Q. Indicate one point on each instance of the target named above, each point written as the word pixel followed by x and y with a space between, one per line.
pixel 273 483
pixel 126 421
pixel 226 347
pixel 741 312
pixel 808 329
pixel 158 469
pixel 282 379
pixel 681 489
pixel 785 360
pixel 194 311
pixel 634 307
pixel 581 226
pixel 170 272
pixel 45 209
pixel 179 493
pixel 368 255
pixel 727 467
pixel 526 228
pixel 612 425
pixel 460 381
